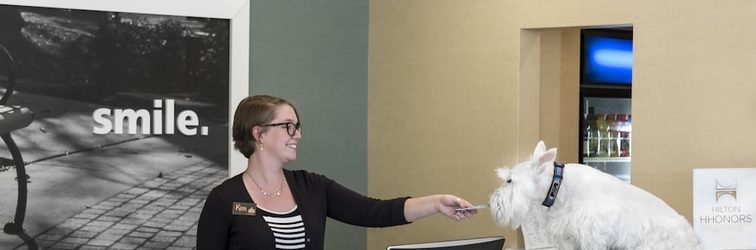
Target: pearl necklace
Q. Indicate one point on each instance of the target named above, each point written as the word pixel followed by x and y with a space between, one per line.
pixel 273 195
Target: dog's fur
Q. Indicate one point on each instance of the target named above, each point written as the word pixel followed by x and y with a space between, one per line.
pixel 592 210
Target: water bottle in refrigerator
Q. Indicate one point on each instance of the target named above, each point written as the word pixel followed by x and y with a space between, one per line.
pixel 625 129
pixel 603 136
pixel 613 128
pixel 590 139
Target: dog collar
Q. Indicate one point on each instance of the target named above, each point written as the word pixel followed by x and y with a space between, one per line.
pixel 556 181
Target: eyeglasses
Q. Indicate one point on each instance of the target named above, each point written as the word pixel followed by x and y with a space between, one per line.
pixel 291 128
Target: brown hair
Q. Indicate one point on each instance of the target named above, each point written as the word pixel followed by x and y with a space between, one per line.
pixel 254 111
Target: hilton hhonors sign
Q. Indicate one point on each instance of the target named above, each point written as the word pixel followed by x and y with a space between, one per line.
pixel 724 207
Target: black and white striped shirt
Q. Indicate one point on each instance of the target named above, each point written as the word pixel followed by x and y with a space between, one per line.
pixel 288 228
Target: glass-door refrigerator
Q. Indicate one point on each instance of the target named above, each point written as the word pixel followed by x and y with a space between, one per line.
pixel 605 100
pixel 607 135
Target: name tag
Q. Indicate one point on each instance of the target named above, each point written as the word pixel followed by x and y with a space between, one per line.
pixel 245 209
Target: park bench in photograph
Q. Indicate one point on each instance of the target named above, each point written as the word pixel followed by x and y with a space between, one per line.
pixel 12 118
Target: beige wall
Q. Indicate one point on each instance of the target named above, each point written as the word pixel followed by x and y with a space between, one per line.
pixel 458 88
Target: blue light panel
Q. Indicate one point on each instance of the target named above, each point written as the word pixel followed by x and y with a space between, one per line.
pixel 608 60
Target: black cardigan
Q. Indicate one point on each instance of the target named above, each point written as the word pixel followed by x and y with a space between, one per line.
pixel 315 195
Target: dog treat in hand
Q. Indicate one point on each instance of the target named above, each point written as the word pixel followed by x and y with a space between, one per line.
pixel 472 207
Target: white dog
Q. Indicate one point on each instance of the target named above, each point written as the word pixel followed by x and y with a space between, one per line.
pixel 587 209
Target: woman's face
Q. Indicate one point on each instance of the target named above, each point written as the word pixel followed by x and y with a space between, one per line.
pixel 277 141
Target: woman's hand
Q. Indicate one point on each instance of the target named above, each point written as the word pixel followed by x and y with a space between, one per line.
pixel 446 204
pixel 450 204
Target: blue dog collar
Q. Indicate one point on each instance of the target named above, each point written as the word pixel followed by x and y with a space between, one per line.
pixel 556 181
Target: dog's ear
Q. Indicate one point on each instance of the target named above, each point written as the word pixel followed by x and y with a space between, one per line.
pixel 504 173
pixel 539 149
pixel 547 157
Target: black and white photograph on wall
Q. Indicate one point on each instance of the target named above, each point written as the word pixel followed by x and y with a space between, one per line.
pixel 114 127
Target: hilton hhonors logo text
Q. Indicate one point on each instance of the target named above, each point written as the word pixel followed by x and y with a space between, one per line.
pixel 724 207
pixel 731 213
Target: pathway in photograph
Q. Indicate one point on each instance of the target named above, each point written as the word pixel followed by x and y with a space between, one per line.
pixel 161 213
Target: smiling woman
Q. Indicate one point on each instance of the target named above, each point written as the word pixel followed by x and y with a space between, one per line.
pixel 287 209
